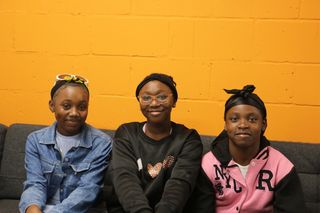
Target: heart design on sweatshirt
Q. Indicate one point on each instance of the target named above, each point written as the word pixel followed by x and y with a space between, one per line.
pixel 154 170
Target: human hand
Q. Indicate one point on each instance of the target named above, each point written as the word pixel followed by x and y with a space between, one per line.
pixel 33 209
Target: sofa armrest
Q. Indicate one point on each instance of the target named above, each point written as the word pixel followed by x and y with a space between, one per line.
pixel 12 173
pixel 306 159
pixel 3 131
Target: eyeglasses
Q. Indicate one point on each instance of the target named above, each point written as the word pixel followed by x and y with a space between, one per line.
pixel 72 78
pixel 161 98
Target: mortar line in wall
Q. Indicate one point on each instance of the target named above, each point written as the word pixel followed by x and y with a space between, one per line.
pixel 193 38
pixel 27 52
pixel 245 61
pixel 293 104
pixel 317 32
pixel 299 12
pixel 126 15
pixel 48 54
pixel 206 18
pixel 120 55
pixel 14 37
pixel 114 96
pixel 288 62
pixel 210 59
pixel 254 27
pixel 98 55
pixel 211 80
pixel 66 54
pixel 130 7
pixel 129 15
pixel 210 17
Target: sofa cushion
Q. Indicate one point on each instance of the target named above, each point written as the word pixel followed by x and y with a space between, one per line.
pixel 206 142
pixel 9 205
pixel 3 131
pixel 12 174
pixel 306 158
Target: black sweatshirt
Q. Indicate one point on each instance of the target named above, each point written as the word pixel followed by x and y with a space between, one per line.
pixel 154 176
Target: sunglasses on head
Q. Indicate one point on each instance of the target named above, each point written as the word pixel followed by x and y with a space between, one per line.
pixel 72 78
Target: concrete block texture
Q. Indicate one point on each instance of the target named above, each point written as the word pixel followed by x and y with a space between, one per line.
pixel 256 9
pixel 206 45
pixel 129 36
pixel 287 41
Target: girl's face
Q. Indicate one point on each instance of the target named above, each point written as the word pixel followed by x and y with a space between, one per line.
pixel 244 125
pixel 156 102
pixel 70 106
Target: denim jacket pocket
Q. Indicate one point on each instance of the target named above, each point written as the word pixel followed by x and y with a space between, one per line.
pixel 48 171
pixel 80 167
pixel 47 167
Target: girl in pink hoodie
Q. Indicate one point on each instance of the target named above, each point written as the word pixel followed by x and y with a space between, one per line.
pixel 242 172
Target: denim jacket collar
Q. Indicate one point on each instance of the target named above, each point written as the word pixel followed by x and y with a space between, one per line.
pixel 50 135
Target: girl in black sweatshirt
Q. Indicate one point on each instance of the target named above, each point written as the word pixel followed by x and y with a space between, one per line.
pixel 154 163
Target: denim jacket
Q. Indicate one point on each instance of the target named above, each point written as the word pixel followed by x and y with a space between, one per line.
pixel 79 177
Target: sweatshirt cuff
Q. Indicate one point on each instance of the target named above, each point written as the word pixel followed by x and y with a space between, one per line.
pixel 163 208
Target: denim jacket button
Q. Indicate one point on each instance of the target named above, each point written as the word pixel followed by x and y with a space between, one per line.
pixel 66 159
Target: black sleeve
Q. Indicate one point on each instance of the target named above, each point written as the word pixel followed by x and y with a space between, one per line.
pixel 288 195
pixel 125 175
pixel 179 186
pixel 202 199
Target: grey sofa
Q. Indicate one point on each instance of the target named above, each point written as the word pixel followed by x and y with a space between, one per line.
pixel 306 158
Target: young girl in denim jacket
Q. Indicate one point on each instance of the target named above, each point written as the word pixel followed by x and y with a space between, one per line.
pixel 65 162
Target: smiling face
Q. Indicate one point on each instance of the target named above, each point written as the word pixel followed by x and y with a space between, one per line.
pixel 244 125
pixel 70 106
pixel 158 110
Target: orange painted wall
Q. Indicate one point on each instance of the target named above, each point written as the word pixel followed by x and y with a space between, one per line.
pixel 206 45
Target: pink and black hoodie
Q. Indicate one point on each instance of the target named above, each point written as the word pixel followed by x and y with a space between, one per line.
pixel 271 183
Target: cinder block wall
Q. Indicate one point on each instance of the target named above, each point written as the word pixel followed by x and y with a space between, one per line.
pixel 206 45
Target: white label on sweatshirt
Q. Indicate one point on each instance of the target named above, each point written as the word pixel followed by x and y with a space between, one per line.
pixel 139 162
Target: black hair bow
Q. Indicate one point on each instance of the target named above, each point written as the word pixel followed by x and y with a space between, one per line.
pixel 244 92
